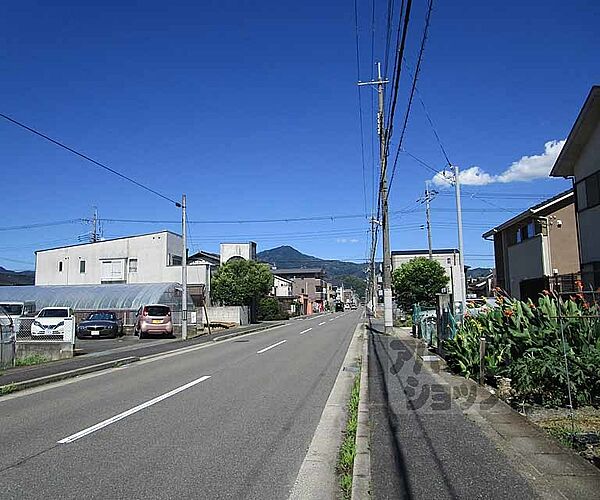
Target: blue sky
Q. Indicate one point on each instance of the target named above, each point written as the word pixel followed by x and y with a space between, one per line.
pixel 250 108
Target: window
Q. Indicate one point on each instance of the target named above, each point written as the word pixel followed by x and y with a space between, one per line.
pixel 530 230
pixel 112 270
pixel 176 260
pixel 592 190
pixel 60 266
pixel 133 265
pixel 82 266
pixel 581 196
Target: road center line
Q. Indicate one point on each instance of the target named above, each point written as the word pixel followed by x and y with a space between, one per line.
pixel 121 416
pixel 270 347
pixel 331 319
pixel 304 331
pixel 321 323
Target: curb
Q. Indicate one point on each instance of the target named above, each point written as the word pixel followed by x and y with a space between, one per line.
pixel 27 384
pixel 317 478
pixel 361 471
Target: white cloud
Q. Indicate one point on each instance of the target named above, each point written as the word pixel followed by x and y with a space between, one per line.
pixel 346 240
pixel 526 168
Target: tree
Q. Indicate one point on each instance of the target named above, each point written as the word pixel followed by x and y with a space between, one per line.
pixel 239 282
pixel 417 281
pixel 357 284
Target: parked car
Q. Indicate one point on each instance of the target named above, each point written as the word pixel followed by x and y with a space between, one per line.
pixel 153 319
pixel 50 321
pixel 100 324
pixel 16 311
pixel 339 306
pixel 480 305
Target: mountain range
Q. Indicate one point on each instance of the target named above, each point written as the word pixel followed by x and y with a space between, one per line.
pixel 8 277
pixel 287 257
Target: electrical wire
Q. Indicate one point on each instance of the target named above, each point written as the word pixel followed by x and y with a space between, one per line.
pixel 360 113
pixel 412 92
pixel 85 157
pixel 41 224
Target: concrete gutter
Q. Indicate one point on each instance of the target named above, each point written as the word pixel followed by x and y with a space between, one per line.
pixel 34 382
pixel 317 478
pixel 361 472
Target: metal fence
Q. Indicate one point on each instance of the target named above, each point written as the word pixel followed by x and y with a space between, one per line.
pixel 27 331
pixel 7 341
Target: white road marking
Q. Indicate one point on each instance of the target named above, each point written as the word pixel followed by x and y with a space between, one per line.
pixel 331 319
pixel 270 347
pixel 321 323
pixel 304 331
pixel 121 416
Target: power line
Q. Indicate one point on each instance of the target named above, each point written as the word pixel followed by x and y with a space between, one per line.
pixel 85 157
pixel 42 224
pixel 360 113
pixel 412 91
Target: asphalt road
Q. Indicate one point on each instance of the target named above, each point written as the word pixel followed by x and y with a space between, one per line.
pixel 226 420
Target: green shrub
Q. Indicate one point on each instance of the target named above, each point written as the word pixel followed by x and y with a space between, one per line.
pixel 524 343
pixel 270 309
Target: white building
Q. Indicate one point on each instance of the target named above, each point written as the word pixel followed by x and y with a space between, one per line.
pixel 146 258
pixel 282 287
pixel 232 251
pixel 448 258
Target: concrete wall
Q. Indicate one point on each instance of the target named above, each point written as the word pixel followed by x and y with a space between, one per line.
pixel 246 251
pixel 589 159
pixel 563 240
pixel 526 261
pixel 51 350
pixel 153 253
pixel 228 314
pixel 282 287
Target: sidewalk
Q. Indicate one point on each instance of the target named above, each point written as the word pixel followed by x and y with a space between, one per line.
pixel 119 355
pixel 435 435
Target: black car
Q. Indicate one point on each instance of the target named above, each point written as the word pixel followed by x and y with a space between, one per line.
pixel 100 324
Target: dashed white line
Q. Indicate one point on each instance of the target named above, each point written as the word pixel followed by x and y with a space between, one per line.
pixel 321 323
pixel 270 347
pixel 331 319
pixel 121 416
pixel 305 331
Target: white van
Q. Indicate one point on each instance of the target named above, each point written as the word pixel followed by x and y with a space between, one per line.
pixel 17 310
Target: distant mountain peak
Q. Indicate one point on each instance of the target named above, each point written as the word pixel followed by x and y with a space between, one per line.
pixel 287 257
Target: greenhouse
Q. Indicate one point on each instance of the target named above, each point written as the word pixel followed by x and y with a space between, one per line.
pixel 83 298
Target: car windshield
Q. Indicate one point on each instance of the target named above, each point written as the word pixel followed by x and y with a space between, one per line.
pixel 102 316
pixel 13 309
pixel 157 310
pixel 54 313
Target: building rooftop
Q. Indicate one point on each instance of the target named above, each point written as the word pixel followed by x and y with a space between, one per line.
pixel 108 240
pixel 438 251
pixel 301 270
pixel 544 205
pixel 584 126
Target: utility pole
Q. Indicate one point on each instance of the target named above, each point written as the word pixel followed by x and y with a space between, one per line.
pixel 428 198
pixel 184 270
pixel 461 255
pixel 383 193
pixel 95 235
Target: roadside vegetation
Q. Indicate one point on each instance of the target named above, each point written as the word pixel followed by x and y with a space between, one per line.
pixel 417 282
pixel 525 361
pixel 348 449
pixel 34 359
pixel 7 389
pixel 269 309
